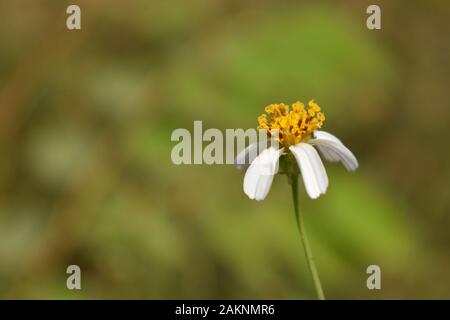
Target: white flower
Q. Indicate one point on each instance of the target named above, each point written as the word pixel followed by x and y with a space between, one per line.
pixel 300 138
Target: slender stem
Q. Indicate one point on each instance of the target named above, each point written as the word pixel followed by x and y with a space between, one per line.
pixel 301 230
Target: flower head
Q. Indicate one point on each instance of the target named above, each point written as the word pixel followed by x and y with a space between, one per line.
pixel 290 126
pixel 295 129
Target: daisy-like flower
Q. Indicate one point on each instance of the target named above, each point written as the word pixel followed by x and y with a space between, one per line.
pixel 293 136
pixel 296 134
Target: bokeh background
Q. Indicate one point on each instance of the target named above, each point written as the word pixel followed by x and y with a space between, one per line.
pixel 86 176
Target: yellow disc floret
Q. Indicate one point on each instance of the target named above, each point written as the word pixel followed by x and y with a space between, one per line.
pixel 292 125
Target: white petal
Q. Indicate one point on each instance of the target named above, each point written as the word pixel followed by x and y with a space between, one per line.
pixel 318 134
pixel 251 152
pixel 259 176
pixel 313 172
pixel 334 150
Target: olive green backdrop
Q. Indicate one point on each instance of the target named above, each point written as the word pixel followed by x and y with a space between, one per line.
pixel 86 176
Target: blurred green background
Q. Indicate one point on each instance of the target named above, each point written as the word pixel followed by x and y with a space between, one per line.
pixel 86 176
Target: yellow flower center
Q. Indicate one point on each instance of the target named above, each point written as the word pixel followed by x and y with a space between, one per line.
pixel 290 127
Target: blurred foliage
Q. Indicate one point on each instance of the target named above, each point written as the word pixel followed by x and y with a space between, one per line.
pixel 85 170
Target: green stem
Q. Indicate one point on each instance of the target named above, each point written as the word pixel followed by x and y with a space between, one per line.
pixel 301 230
